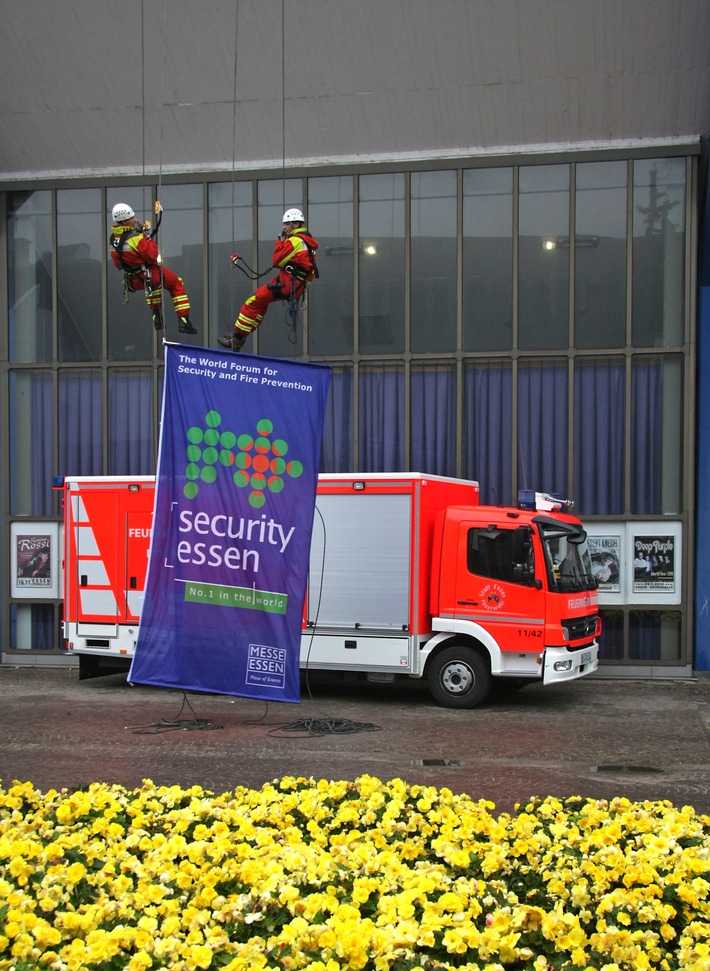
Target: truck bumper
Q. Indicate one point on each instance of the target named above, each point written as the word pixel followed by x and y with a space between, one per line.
pixel 562 664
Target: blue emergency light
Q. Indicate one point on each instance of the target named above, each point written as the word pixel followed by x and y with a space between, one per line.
pixel 543 501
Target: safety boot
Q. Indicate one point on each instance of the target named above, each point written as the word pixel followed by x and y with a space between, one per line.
pixel 185 326
pixel 233 341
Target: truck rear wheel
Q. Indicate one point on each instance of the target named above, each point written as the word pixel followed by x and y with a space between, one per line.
pixel 459 677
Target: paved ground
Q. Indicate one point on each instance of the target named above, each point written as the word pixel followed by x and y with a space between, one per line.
pixel 597 737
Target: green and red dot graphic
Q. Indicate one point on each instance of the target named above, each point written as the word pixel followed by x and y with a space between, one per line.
pixel 257 461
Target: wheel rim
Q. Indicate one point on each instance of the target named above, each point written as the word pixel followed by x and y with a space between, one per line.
pixel 457 678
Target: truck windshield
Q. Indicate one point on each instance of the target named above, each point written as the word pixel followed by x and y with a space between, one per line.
pixel 569 565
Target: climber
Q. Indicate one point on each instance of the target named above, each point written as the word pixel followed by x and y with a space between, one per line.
pixel 295 259
pixel 135 252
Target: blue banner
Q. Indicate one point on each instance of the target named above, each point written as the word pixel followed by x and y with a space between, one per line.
pixel 235 498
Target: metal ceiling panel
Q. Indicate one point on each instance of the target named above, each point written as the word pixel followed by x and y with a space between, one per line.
pixel 96 89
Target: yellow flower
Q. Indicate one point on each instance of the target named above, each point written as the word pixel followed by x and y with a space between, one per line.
pixel 199 956
pixel 321 875
pixel 139 962
pixel 75 873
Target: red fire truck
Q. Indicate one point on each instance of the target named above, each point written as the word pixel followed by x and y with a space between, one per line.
pixel 409 577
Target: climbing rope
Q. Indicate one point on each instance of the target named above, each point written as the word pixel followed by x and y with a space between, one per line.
pixel 292 304
pixel 162 102
pixel 157 206
pixel 310 727
pixel 232 301
pixel 178 723
pixel 283 104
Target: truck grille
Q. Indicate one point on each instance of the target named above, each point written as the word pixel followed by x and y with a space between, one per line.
pixel 581 627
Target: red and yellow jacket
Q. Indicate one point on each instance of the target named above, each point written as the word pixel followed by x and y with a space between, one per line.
pixel 130 248
pixel 298 250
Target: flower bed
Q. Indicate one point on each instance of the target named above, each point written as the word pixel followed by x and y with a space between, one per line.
pixel 334 875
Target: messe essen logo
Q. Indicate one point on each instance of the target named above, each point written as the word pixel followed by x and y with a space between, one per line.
pixel 256 462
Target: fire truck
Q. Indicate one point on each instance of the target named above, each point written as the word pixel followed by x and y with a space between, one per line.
pixel 409 577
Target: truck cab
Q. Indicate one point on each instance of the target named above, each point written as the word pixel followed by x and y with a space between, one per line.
pixel 516 590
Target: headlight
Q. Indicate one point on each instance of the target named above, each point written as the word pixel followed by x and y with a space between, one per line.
pixel 563 665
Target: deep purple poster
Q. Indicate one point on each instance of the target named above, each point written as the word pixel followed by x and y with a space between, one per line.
pixel 235 498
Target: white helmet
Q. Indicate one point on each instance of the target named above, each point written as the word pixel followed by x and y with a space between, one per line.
pixel 293 216
pixel 122 211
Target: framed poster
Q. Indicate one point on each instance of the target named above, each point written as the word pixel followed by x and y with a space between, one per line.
pixel 655 562
pixel 637 562
pixel 607 546
pixel 605 552
pixel 34 560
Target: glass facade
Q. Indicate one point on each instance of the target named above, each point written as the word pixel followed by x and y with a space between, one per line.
pixel 330 316
pixel 658 266
pixel 79 250
pixel 522 325
pixel 433 302
pixel 544 257
pixel 381 258
pixel 230 224
pixel 600 267
pixel 30 277
pixel 487 259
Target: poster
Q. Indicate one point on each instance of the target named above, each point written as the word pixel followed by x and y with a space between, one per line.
pixel 33 558
pixel 234 504
pixel 34 562
pixel 605 552
pixel 654 563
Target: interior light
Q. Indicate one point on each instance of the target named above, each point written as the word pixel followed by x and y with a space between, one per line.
pixel 346 249
pixel 562 242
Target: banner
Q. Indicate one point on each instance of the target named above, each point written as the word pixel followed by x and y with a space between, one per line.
pixel 235 498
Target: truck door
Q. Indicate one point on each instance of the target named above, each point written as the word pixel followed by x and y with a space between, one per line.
pixel 497 584
pixel 96 527
pixel 138 527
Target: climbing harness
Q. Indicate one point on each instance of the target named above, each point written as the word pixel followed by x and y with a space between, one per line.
pixel 131 272
pixel 294 300
pixel 299 273
pixel 311 255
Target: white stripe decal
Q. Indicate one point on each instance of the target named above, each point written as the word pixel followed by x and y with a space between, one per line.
pixel 98 602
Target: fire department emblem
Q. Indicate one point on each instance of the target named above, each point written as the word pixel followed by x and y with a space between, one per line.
pixel 492 597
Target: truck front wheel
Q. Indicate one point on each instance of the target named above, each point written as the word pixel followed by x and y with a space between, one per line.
pixel 459 677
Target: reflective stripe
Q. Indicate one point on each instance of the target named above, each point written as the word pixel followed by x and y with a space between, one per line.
pixel 182 305
pixel 134 600
pixel 493 617
pixel 101 603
